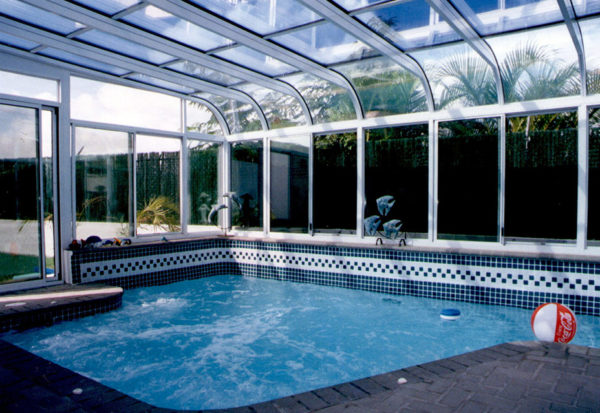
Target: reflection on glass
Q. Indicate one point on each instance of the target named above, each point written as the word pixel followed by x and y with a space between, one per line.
pixel 396 164
pixel 38 17
pixel 19 210
pixel 334 183
pixel 262 17
pixel 384 87
pixel 590 29
pixel 47 135
pixel 409 25
pixel 161 83
pixel 17 84
pixel 327 102
pixel 159 21
pixel 204 73
pixel 289 184
pixel 254 60
pixel 537 64
pixel 247 184
pixel 325 43
pixel 82 61
pixel 490 17
pixel 157 184
pixel 280 110
pixel 594 176
pixel 541 176
pixel 121 105
pixel 203 183
pixel 241 117
pixel 102 175
pixel 586 7
pixel 200 119
pixel 108 6
pixel 468 173
pixel 459 77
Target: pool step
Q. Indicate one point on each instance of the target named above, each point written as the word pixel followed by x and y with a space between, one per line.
pixel 46 306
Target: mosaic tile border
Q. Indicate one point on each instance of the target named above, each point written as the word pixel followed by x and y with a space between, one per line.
pixel 510 281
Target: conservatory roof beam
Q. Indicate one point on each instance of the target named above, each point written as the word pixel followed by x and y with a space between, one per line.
pixel 109 25
pixel 469 35
pixel 211 22
pixel 341 19
pixel 566 8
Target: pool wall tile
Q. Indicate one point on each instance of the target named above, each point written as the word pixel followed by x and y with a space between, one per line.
pixel 487 279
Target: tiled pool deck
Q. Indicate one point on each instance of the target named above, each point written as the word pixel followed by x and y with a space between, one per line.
pixel 513 377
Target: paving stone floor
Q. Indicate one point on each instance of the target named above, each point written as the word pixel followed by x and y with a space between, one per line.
pixel 513 377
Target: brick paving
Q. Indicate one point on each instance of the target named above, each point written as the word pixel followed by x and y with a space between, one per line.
pixel 512 377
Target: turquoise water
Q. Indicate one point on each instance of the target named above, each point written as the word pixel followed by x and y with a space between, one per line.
pixel 228 341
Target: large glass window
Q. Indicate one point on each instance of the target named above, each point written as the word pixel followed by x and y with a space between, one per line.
pixel 289 184
pixel 247 185
pixel 157 184
pixel 203 183
pixel 102 181
pixel 334 183
pixel 396 164
pixel 17 84
pixel 468 178
pixel 541 176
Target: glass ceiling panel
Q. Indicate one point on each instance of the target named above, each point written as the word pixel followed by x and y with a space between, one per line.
pixel 590 29
pixel 537 64
pixel 280 110
pixel 240 116
pixel 126 47
pixel 254 60
pixel 109 7
pixel 385 87
pixel 38 17
pixel 161 83
pixel 586 7
pixel 327 102
pixel 158 21
pixel 409 25
pixel 357 4
pixel 325 43
pixel 459 77
pixel 199 118
pixel 9 40
pixel 263 16
pixel 204 73
pixel 496 16
pixel 82 61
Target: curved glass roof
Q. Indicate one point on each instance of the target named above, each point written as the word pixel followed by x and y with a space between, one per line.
pixel 278 63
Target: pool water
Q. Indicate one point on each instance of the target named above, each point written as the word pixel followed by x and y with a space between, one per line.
pixel 228 341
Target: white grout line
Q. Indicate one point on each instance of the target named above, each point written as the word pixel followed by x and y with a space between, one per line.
pixel 42 296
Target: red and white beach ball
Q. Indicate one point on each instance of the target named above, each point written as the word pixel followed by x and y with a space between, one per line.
pixel 554 322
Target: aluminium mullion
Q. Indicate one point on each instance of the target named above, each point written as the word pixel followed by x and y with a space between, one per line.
pixel 502 178
pixel 311 175
pixel 225 214
pixel 73 159
pixel 133 185
pixel 583 146
pixel 266 186
pixel 40 197
pixel 360 182
pixel 184 181
pixel 433 180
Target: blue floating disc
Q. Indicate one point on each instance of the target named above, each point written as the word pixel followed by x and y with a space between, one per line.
pixel 450 314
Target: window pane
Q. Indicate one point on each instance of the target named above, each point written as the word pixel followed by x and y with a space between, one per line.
pixel 204 73
pixel 254 60
pixel 203 184
pixel 102 171
pixel 541 176
pixel 280 110
pixel 396 164
pixel 157 184
pixel 200 119
pixel 121 105
pixel 289 184
pixel 28 86
pixel 334 183
pixel 594 176
pixel 108 6
pixel 161 83
pixel 19 210
pixel 38 17
pixel 384 87
pixel 590 29
pixel 82 61
pixel 247 184
pixel 468 176
pixel 240 116
pixel 17 41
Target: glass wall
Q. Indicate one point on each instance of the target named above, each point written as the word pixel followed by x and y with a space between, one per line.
pixel 247 185
pixel 289 184
pixel 334 183
pixel 203 183
pixel 157 184
pixel 541 176
pixel 103 174
pixel 468 180
pixel 396 164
